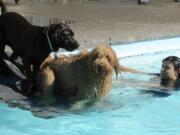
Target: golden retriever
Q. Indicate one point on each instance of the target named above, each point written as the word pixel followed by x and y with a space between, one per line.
pixel 87 75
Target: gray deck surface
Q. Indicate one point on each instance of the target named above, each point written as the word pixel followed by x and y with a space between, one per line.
pixel 97 21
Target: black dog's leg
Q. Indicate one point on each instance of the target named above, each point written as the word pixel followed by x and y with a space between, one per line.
pixel 13 59
pixel 2 64
pixel 32 84
pixel 29 85
pixel 4 70
pixel 25 84
pixel 2 48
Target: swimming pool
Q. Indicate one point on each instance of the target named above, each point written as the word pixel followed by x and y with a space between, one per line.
pixel 128 110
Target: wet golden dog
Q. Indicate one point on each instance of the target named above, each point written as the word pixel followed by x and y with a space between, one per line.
pixel 87 75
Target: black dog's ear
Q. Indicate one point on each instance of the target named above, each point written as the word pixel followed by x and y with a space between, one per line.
pixel 52 26
pixel 57 29
pixel 53 30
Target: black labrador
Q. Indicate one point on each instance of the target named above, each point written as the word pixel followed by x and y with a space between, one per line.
pixel 31 43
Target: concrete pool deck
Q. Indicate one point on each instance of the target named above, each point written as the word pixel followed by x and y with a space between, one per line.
pixel 103 21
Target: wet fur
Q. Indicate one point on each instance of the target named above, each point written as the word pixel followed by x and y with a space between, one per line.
pixel 79 77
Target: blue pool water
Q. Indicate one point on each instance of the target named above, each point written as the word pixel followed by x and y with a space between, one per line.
pixel 128 110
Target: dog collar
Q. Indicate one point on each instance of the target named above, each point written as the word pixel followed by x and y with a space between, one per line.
pixel 53 54
pixel 49 42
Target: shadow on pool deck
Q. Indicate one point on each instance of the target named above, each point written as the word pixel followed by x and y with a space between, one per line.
pixel 98 21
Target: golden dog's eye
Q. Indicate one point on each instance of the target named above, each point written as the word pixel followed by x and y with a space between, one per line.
pixel 108 58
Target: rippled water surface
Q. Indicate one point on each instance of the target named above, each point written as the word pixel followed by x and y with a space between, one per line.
pixel 135 106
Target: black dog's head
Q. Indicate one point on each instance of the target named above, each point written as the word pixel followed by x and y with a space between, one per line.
pixel 170 68
pixel 62 36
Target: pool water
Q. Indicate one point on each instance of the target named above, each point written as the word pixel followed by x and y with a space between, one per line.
pixel 128 110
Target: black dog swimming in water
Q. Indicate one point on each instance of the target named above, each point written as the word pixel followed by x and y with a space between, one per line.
pixel 32 43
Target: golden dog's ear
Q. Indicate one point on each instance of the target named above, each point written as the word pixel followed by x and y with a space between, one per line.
pixel 117 67
pixel 130 70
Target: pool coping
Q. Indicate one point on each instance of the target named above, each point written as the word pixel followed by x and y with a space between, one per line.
pixel 140 48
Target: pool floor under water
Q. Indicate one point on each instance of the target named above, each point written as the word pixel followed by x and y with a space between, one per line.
pixel 128 110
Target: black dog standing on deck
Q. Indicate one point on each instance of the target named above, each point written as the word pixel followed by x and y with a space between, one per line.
pixel 32 43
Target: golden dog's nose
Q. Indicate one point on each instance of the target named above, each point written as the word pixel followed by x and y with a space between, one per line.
pixel 101 71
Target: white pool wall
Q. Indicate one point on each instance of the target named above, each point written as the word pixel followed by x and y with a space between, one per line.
pixel 144 47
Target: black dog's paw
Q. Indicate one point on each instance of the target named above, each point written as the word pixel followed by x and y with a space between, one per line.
pixel 26 88
pixel 19 85
pixel 22 86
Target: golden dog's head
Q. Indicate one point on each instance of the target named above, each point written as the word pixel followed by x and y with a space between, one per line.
pixel 104 60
